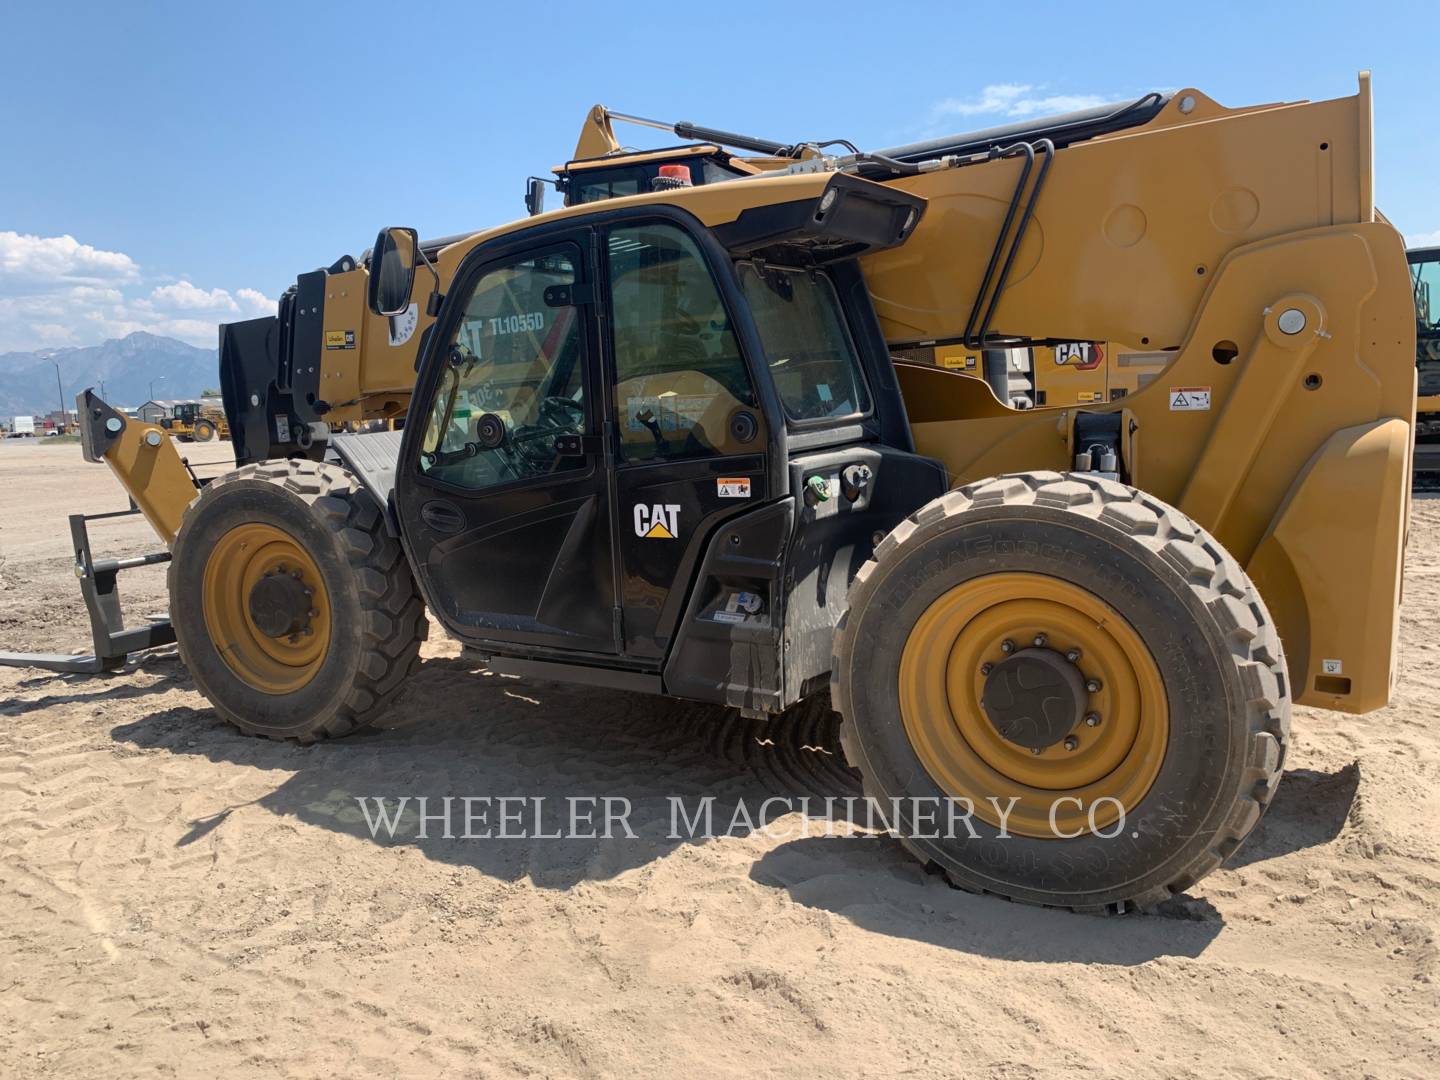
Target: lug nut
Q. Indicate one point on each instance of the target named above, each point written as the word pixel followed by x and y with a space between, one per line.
pixel 281 569
pixel 1092 719
pixel 1040 640
pixel 1093 685
pixel 1036 751
pixel 1073 656
pixel 1007 646
pixel 312 613
pixel 307 631
pixel 1071 743
pixel 295 574
pixel 986 668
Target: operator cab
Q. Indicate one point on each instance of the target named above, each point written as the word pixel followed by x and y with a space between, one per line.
pixel 657 452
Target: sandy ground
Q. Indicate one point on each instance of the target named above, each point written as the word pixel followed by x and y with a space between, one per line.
pixel 181 900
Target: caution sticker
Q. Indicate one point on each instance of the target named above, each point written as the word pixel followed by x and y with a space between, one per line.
pixel 1332 667
pixel 733 487
pixel 339 339
pixel 1189 399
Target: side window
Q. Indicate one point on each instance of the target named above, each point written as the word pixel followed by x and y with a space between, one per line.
pixel 809 350
pixel 513 381
pixel 679 375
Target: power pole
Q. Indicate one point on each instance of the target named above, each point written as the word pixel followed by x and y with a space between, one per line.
pixel 60 386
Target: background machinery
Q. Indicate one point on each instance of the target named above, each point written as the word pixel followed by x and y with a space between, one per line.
pixel 658 441
pixel 195 421
pixel 1425 279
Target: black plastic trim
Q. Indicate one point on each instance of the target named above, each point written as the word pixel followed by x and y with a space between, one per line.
pixel 862 217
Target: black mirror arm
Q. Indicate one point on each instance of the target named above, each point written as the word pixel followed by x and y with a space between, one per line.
pixel 433 302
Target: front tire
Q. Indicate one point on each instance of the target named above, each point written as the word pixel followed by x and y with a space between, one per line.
pixel 204 431
pixel 1161 690
pixel 294 610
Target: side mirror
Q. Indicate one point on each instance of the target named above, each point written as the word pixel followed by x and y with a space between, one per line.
pixel 535 196
pixel 392 271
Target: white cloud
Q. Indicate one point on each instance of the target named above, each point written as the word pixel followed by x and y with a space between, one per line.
pixel 61 258
pixel 1424 239
pixel 1016 101
pixel 253 302
pixel 51 333
pixel 187 297
pixel 57 291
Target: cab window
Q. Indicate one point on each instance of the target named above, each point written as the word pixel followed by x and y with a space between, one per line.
pixel 807 346
pixel 679 373
pixel 512 382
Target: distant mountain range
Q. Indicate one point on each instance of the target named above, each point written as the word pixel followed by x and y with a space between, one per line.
pixel 127 366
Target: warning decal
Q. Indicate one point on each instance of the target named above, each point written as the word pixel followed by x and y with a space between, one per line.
pixel 733 487
pixel 1189 399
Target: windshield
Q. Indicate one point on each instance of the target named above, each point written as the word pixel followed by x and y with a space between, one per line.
pixel 592 185
pixel 807 346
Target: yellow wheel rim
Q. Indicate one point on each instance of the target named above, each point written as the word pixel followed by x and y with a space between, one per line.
pixel 943 675
pixel 243 557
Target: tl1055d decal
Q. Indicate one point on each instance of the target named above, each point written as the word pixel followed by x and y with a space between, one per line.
pixel 528 322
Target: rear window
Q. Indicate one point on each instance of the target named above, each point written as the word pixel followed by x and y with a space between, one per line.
pixel 808 348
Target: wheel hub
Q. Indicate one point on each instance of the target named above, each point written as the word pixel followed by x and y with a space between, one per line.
pixel 1034 698
pixel 279 604
pixel 1023 686
pixel 266 607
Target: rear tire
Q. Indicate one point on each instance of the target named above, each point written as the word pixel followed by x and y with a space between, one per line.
pixel 1217 718
pixel 309 524
pixel 204 431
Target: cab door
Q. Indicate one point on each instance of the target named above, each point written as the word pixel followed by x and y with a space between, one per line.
pixel 501 489
pixel 690 438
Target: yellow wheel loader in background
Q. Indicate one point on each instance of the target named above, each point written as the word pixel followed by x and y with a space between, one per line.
pixel 199 422
pixel 194 421
pixel 657 441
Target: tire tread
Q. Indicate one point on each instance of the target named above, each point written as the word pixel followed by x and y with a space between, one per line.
pixel 1207 569
pixel 393 624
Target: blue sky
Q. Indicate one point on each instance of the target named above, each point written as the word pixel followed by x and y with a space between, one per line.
pixel 169 166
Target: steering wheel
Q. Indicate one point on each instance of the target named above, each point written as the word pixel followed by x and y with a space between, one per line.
pixel 562 412
pixel 557 416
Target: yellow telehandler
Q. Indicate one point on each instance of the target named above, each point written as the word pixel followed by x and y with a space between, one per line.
pixel 657 441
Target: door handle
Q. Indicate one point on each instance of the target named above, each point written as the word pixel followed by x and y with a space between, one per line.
pixel 442 516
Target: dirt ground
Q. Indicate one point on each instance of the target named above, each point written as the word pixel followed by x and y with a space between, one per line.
pixel 182 900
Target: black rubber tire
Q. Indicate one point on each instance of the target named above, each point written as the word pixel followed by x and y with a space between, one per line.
pixel 377 617
pixel 1196 611
pixel 204 431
